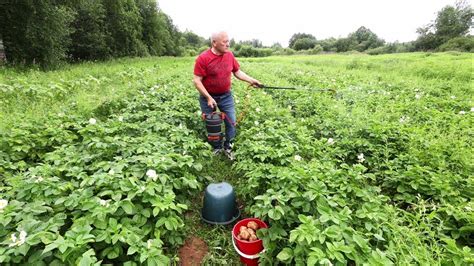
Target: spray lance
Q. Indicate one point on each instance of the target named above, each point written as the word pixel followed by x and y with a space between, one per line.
pixel 262 86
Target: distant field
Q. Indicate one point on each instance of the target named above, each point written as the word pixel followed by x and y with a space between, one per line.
pixel 377 170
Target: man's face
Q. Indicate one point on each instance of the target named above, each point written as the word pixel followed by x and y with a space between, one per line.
pixel 221 44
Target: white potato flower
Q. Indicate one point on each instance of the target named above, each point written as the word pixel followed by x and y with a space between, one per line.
pixel 404 119
pixel 298 158
pixel 13 239
pixel 360 158
pixel 104 203
pixel 152 174
pixel 3 204
pixel 92 121
pixel 330 141
pixel 18 241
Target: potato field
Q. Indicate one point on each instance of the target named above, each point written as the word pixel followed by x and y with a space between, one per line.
pixel 369 162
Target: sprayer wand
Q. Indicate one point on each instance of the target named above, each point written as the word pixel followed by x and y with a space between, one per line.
pixel 292 88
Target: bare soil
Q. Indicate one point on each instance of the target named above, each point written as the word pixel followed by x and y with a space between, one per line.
pixel 192 252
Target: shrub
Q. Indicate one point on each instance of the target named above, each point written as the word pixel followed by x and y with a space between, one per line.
pixel 249 51
pixel 462 44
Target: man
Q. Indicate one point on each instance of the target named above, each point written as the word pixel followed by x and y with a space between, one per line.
pixel 212 78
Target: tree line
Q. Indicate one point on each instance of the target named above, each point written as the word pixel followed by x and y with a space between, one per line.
pixel 449 31
pixel 49 32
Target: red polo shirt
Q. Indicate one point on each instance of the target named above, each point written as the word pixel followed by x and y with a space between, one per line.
pixel 216 71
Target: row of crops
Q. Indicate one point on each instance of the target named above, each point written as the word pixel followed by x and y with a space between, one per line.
pixel 379 171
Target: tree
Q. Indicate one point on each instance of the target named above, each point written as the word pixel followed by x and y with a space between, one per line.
pixel 172 37
pixel 193 39
pixel 153 28
pixel 427 40
pixel 304 44
pixel 36 32
pixel 276 45
pixel 344 44
pixel 328 44
pixel 451 22
pixel 124 24
pixel 363 39
pixel 298 36
pixel 89 37
pixel 256 43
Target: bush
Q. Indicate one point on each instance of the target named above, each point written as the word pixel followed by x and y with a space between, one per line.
pixel 316 50
pixel 379 50
pixel 461 44
pixel 249 51
pixel 190 52
pixel 284 51
pixel 202 49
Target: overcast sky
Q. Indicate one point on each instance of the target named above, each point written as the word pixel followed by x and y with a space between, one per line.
pixel 273 21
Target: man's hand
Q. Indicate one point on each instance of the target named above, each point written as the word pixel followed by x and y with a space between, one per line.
pixel 211 103
pixel 255 83
pixel 242 76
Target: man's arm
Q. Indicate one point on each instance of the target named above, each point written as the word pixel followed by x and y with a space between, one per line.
pixel 197 80
pixel 244 77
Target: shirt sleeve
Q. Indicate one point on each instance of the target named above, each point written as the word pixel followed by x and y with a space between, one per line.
pixel 200 67
pixel 235 64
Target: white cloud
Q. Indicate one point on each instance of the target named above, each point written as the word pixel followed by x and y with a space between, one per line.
pixel 277 20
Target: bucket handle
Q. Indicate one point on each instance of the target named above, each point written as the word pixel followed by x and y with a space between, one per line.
pixel 251 257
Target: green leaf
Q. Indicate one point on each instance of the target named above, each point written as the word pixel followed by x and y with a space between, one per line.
pixel 113 222
pixel 114 252
pixel 146 213
pixel 50 247
pixel 360 241
pixel 324 218
pixel 127 206
pixel 333 232
pixel 275 215
pixel 285 254
pixel 312 261
pixel 198 167
pixel 294 235
pixel 325 262
pixel 88 258
pixel 132 250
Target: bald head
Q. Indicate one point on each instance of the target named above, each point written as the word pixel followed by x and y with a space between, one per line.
pixel 216 36
pixel 220 42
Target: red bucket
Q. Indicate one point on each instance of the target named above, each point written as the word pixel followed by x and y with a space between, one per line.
pixel 249 251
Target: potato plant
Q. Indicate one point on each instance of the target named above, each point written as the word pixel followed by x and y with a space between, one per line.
pixel 100 162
